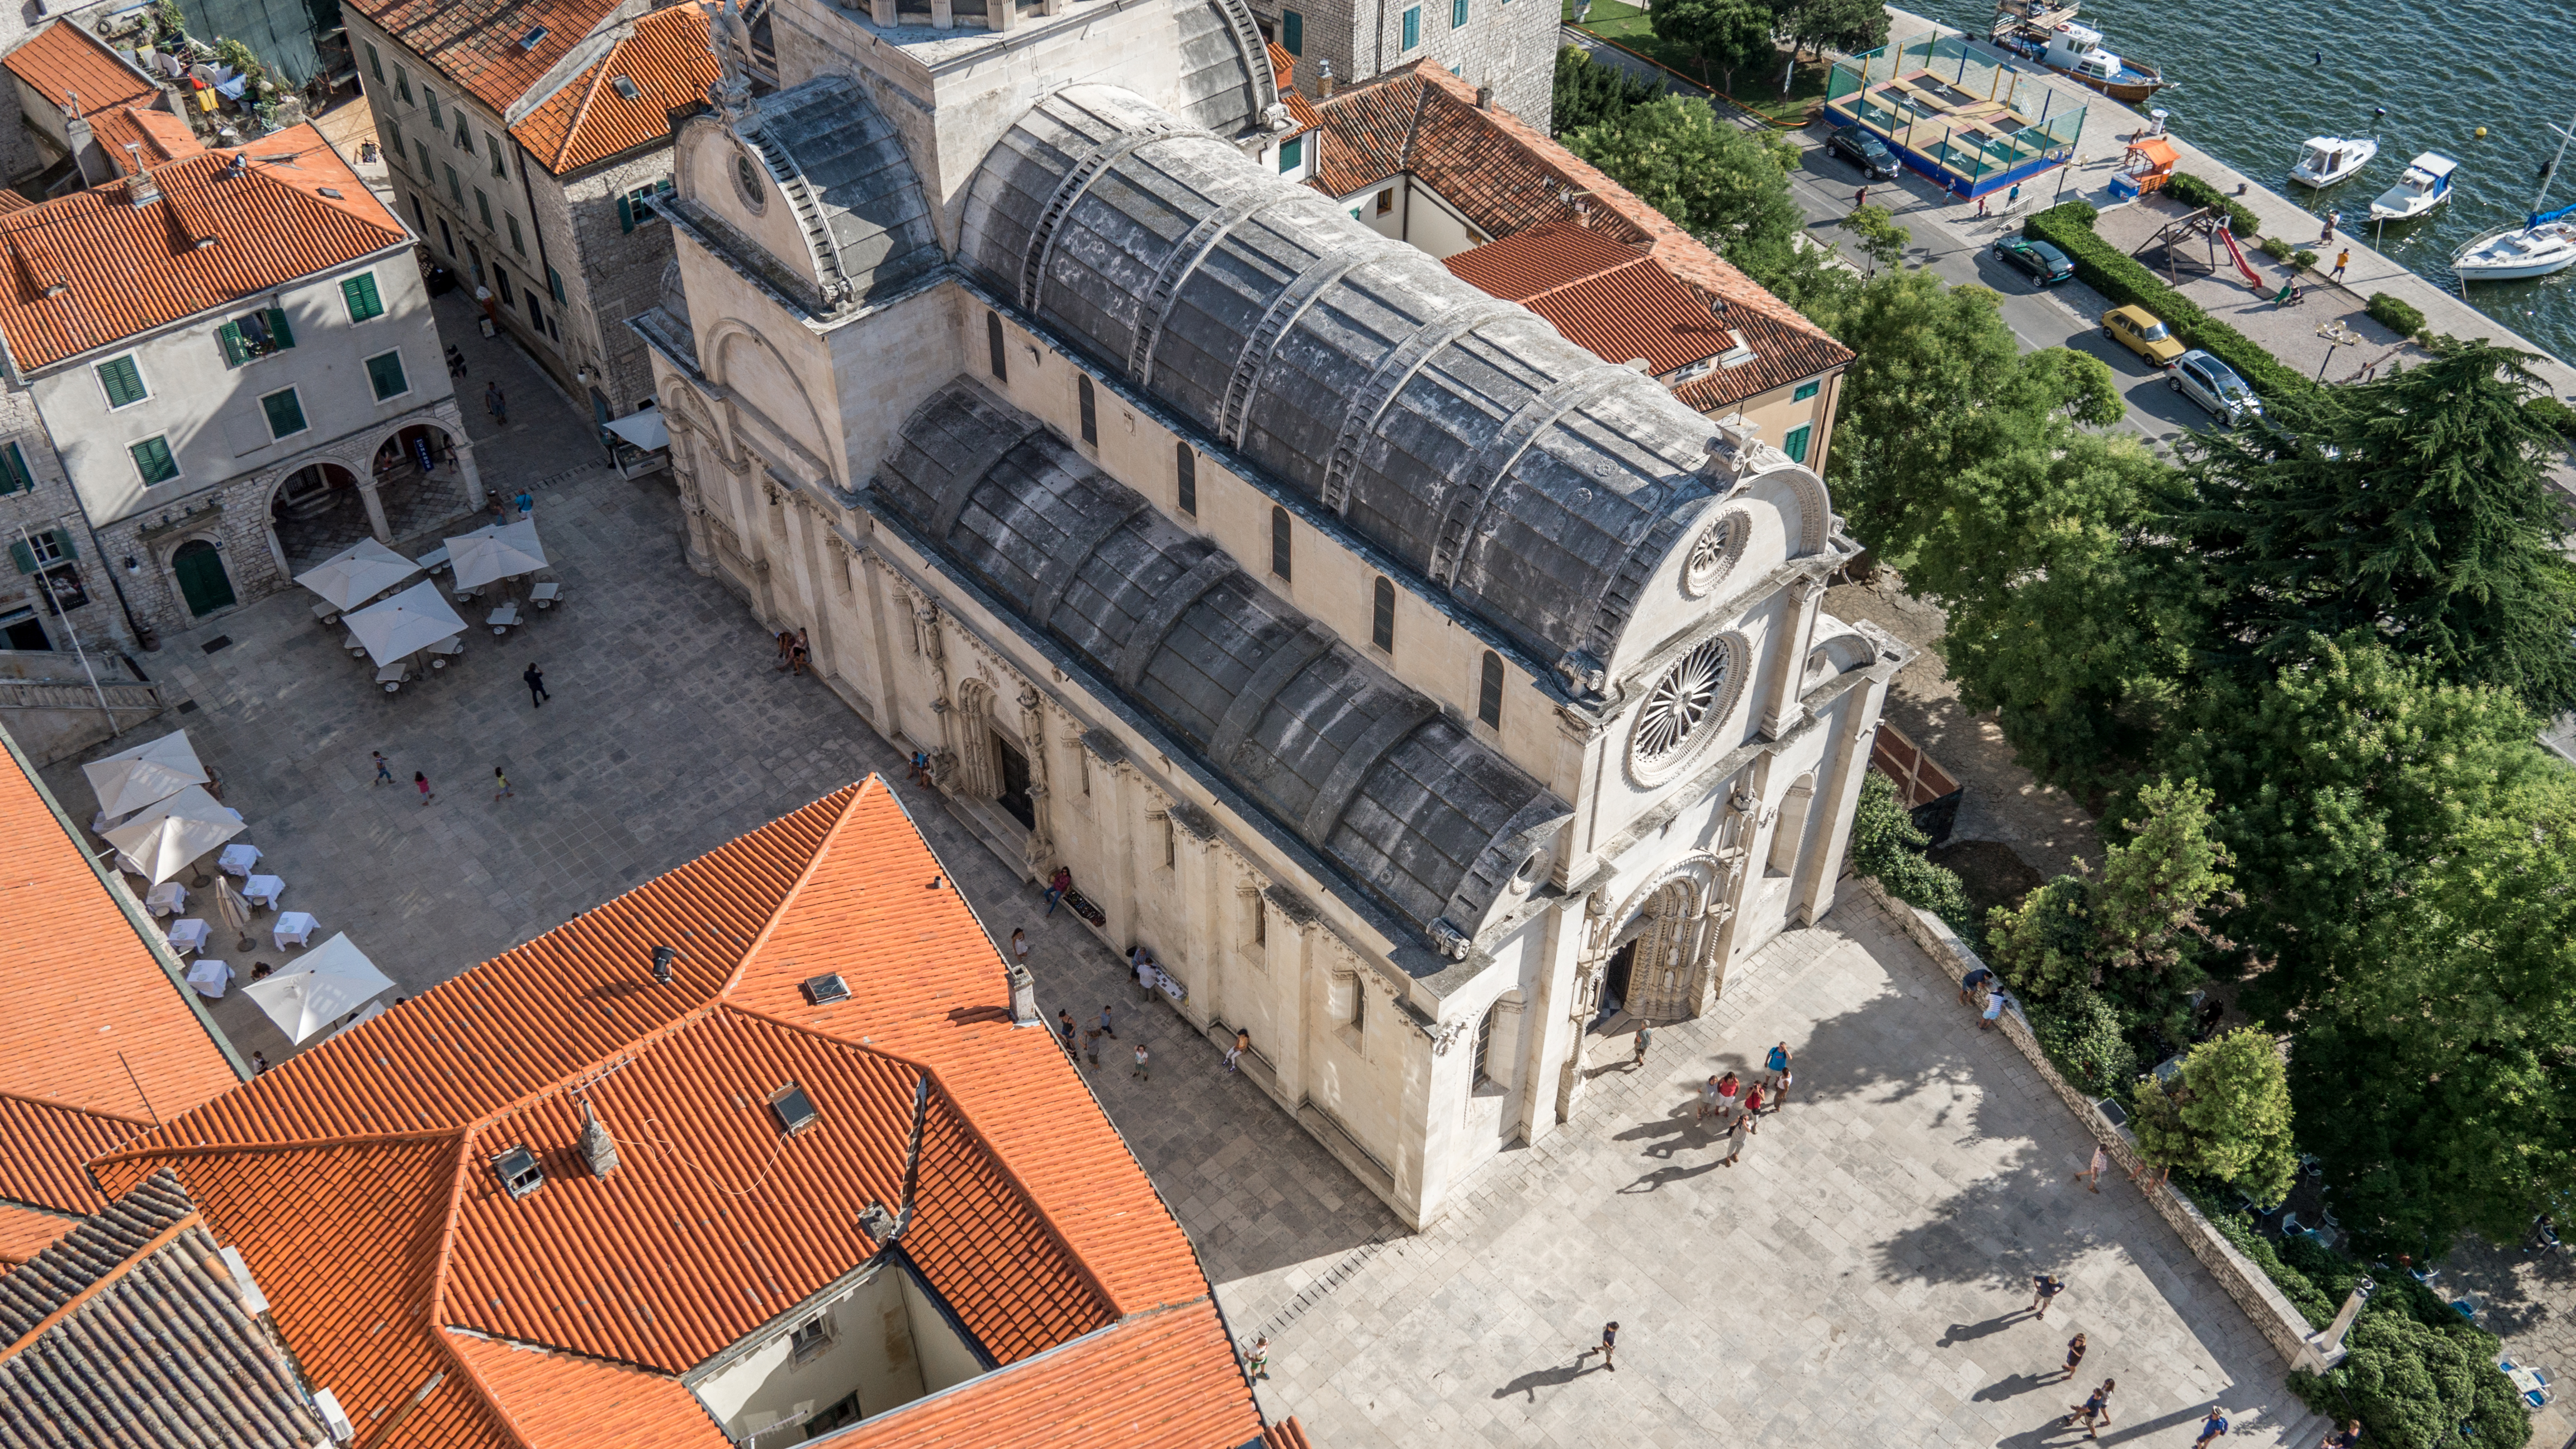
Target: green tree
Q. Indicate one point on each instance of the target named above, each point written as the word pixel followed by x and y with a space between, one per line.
pixel 2044 946
pixel 2438 1075
pixel 2418 505
pixel 1887 847
pixel 1719 182
pixel 1880 238
pixel 2413 1383
pixel 2136 930
pixel 1588 93
pixel 2225 1115
pixel 1851 26
pixel 1717 33
pixel 2078 382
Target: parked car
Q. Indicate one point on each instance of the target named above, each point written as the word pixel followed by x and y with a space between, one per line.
pixel 2214 385
pixel 1863 150
pixel 2045 264
pixel 2138 330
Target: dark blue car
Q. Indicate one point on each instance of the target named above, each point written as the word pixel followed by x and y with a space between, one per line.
pixel 2045 264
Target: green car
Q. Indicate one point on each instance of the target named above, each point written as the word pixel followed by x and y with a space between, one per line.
pixel 2045 264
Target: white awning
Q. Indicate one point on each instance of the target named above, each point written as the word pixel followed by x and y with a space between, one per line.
pixel 645 429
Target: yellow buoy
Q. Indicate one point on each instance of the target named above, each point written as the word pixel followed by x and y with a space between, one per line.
pixel 2482 133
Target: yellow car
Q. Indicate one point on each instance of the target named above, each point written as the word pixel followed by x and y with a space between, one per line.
pixel 2137 329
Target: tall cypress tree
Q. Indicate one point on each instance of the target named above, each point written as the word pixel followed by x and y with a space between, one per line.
pixel 2417 507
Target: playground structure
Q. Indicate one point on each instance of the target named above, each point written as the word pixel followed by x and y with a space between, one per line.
pixel 1956 112
pixel 2210 225
pixel 2149 163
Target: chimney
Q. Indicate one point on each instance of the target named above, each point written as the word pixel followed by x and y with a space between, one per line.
pixel 597 1147
pixel 1484 98
pixel 1324 78
pixel 139 186
pixel 1024 997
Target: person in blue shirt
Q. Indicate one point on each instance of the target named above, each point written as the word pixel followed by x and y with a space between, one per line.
pixel 1777 1063
pixel 2211 1427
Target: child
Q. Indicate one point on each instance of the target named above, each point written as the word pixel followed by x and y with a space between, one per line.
pixel 421 781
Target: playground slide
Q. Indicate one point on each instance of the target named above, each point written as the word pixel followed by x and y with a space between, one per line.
pixel 2253 278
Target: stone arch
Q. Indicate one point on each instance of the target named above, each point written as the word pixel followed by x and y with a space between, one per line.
pixel 1789 832
pixel 745 364
pixel 976 776
pixel 1658 939
pixel 1806 510
pixel 200 575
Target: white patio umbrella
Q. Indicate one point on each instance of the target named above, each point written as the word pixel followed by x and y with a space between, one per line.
pixel 328 982
pixel 404 624
pixel 161 841
pixel 353 576
pixel 145 775
pixel 496 552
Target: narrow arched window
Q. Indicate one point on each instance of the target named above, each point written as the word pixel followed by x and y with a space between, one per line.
pixel 1489 691
pixel 1382 616
pixel 1484 1046
pixel 1090 411
pixel 993 344
pixel 1187 470
pixel 1279 542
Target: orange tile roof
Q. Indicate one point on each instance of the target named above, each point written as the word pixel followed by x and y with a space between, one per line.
pixel 479 44
pixel 63 60
pixel 1300 110
pixel 1542 258
pixel 1611 299
pixel 1507 176
pixel 664 56
pixel 99 1036
pixel 354 1178
pixel 91 268
pixel 25 1232
pixel 161 135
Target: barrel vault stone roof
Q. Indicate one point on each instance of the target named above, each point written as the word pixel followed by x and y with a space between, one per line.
pixel 844 170
pixel 1426 819
pixel 1536 484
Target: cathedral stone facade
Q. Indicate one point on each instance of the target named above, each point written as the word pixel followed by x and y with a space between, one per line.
pixel 1423 691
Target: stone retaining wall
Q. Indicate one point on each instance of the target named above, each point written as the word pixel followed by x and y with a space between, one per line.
pixel 2272 1314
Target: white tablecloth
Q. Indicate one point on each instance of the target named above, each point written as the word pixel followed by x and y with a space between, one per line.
pixel 265 889
pixel 210 977
pixel 293 928
pixel 238 858
pixel 168 898
pixel 188 935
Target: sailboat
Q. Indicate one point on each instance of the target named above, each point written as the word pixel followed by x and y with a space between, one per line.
pixel 2544 245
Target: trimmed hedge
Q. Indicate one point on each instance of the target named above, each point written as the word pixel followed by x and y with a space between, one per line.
pixel 2127 282
pixel 2395 314
pixel 2550 413
pixel 2190 190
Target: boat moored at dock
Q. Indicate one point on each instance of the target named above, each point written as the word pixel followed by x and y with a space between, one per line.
pixel 2326 160
pixel 2050 36
pixel 2543 246
pixel 2426 184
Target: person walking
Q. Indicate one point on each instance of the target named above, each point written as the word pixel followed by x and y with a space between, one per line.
pixel 501 785
pixel 1981 208
pixel 1142 1063
pixel 2074 1354
pixel 2091 1176
pixel 2095 1411
pixel 1860 198
pixel 2333 219
pixel 384 768
pixel 1644 1035
pixel 1106 1029
pixel 535 679
pixel 2343 259
pixel 2044 1289
pixel 1256 1363
pixel 2012 198
pixel 421 782
pixel 2211 1427
pixel 1608 1348
pixel 495 404
pixel 1740 1129
pixel 1091 1047
pixel 1242 1044
pixel 525 503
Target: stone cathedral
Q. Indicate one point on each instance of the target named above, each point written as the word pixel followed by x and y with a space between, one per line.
pixel 1422 690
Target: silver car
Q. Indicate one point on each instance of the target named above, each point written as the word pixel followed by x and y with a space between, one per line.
pixel 2215 386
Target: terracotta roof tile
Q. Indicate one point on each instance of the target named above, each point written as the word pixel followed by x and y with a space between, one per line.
pixel 99 1035
pixel 63 60
pixel 25 1232
pixel 565 1401
pixel 664 56
pixel 482 44
pixel 1544 257
pixel 124 269
pixel 161 135
pixel 1030 1218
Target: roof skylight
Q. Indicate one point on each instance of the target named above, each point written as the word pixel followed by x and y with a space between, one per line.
pixel 794 1110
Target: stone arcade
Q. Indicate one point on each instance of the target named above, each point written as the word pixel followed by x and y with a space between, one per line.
pixel 1418 687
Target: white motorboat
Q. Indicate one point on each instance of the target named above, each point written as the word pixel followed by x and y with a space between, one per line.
pixel 2329 159
pixel 2426 184
pixel 2543 246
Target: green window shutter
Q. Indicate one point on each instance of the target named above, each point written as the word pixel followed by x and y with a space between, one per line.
pixel 14 477
pixel 662 187
pixel 554 284
pixel 492 144
pixel 1413 28
pixel 1292 32
pixel 63 545
pixel 625 214
pixel 483 204
pixel 516 244
pixel 1291 151
pixel 402 84
pixel 1795 445
pixel 1457 14
pixel 375 66
pixel 393 133
pixel 279 328
pixel 152 460
pixel 360 293
pixel 464 134
pixel 1807 390
pixel 22 557
pixel 229 338
pixel 455 188
pixel 285 413
pixel 385 375
pixel 123 381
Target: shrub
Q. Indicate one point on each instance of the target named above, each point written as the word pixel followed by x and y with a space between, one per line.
pixel 2277 249
pixel 2126 281
pixel 2416 1385
pixel 1886 846
pixel 2395 314
pixel 2083 1034
pixel 2226 1117
pixel 2550 413
pixel 2304 260
pixel 2190 190
pixel 2314 1302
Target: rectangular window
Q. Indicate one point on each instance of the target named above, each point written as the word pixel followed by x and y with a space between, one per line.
pixel 1489 691
pixel 1382 615
pixel 500 164
pixel 483 204
pixel 153 461
pixel 1807 390
pixel 428 168
pixel 1189 478
pixel 536 314
pixel 1090 411
pixel 516 244
pixel 455 188
pixel 993 352
pixel 1795 445
pixel 14 477
pixel 1359 1007
pixel 1386 201
pixel 255 335
pixel 402 84
pixel 1292 32
pixel 1279 542
pixel 637 207
pixel 501 280
pixel 1457 14
pixel 437 120
pixel 123 382
pixel 375 67
pixel 285 413
pixel 464 135
pixel 385 375
pixel 394 146
pixel 1413 27
pixel 360 293
pixel 419 217
pixel 554 285
pixel 1291 152
pixel 446 237
pixel 51 546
